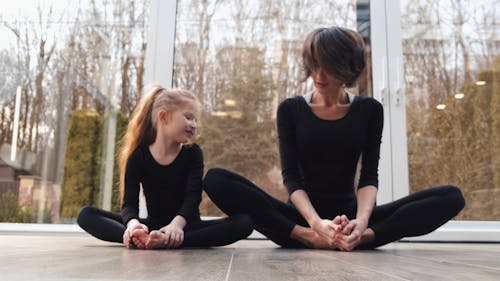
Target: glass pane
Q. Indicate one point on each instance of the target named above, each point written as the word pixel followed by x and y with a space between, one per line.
pixel 69 74
pixel 242 58
pixel 452 74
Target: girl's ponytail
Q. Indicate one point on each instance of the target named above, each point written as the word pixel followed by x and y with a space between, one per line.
pixel 140 130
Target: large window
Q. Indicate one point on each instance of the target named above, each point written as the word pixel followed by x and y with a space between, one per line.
pixel 70 73
pixel 451 52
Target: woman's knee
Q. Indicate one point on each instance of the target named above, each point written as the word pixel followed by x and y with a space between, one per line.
pixel 214 178
pixel 244 223
pixel 454 198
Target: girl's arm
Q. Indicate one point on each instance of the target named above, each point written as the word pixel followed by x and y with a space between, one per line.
pixel 130 206
pixel 173 232
pixel 190 207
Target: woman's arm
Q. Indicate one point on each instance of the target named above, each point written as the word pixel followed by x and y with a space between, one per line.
pixel 368 182
pixel 326 228
pixel 290 171
pixel 366 201
pixel 354 230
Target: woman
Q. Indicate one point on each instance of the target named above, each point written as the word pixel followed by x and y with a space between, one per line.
pixel 322 136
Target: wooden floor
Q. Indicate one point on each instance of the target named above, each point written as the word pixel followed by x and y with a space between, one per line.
pixel 81 257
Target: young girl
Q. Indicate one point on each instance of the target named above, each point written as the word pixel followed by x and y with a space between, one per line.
pixel 156 154
pixel 322 136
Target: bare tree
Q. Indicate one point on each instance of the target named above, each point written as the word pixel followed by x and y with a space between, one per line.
pixel 443 59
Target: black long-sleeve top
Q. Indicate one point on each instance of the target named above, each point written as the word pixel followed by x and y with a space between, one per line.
pixel 170 190
pixel 320 156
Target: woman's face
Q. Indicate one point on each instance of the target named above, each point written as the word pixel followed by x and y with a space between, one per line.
pixel 325 83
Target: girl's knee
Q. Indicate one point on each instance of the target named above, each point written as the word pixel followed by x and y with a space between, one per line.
pixel 83 215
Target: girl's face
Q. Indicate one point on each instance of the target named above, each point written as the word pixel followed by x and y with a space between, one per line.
pixel 181 124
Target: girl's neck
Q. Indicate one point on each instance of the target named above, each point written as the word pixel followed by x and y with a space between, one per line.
pixel 164 150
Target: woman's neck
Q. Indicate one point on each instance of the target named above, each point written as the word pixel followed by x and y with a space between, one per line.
pixel 332 99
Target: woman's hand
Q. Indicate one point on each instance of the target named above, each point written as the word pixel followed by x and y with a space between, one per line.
pixel 330 229
pixel 351 234
pixel 135 226
pixel 354 230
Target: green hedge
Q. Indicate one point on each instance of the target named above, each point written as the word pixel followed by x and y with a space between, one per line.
pixel 82 165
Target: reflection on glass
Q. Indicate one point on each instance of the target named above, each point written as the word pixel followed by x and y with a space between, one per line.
pixel 69 75
pixel 452 71
pixel 242 58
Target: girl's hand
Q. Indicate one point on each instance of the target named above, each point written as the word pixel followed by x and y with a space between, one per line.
pixel 173 236
pixel 133 225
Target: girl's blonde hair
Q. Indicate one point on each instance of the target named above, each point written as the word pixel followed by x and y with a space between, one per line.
pixel 141 129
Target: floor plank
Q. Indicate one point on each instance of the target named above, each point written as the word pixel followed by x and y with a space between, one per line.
pixel 60 257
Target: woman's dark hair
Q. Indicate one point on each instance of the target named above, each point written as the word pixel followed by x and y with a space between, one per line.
pixel 339 51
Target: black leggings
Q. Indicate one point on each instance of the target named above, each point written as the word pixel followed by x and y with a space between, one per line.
pixel 416 214
pixel 108 226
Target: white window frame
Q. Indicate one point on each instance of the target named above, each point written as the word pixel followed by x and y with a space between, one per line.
pixel 159 64
pixel 388 85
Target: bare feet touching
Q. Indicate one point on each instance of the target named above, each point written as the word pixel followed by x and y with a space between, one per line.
pixel 140 237
pixel 338 234
pixel 353 233
pixel 156 240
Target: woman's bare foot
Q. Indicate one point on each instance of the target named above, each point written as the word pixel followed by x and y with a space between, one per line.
pixel 318 242
pixel 140 237
pixel 312 239
pixel 367 236
pixel 156 240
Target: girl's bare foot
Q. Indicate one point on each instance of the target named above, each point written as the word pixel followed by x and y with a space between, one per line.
pixel 139 238
pixel 156 240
